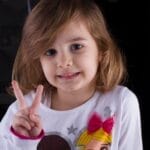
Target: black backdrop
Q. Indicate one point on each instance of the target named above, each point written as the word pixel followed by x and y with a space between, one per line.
pixel 128 20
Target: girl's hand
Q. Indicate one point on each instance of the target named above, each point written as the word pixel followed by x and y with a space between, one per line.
pixel 26 121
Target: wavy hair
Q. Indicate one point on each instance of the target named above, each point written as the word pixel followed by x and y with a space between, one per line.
pixel 43 24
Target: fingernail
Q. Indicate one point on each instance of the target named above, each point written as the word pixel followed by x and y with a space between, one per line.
pixel 40 87
pixel 13 82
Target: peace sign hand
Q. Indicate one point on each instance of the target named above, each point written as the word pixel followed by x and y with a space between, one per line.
pixel 26 122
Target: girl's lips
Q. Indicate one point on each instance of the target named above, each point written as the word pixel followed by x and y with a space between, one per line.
pixel 68 75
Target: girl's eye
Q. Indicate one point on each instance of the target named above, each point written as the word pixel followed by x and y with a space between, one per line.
pixel 51 52
pixel 75 47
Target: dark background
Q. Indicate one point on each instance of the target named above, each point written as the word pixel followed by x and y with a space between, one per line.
pixel 128 21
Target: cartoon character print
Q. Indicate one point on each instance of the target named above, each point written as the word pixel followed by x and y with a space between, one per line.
pixel 53 142
pixel 97 136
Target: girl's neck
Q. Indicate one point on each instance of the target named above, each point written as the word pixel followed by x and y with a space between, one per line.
pixel 61 100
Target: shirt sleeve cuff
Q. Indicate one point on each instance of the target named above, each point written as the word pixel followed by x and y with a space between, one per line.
pixel 40 136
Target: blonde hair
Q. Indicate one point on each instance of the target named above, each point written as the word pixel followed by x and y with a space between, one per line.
pixel 99 135
pixel 44 22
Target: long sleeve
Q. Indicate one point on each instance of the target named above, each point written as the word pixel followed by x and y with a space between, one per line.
pixel 130 135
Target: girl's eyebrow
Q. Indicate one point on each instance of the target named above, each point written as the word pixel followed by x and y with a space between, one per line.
pixel 77 39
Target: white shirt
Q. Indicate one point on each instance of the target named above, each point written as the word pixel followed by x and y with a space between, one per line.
pixel 68 126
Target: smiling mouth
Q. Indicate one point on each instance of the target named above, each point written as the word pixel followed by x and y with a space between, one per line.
pixel 68 76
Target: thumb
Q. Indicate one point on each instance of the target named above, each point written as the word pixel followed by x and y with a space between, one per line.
pixel 36 120
pixel 37 127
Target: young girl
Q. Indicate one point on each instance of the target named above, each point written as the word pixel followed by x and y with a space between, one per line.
pixel 66 80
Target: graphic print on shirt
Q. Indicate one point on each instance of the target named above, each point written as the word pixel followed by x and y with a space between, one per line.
pixel 57 141
pixel 54 142
pixel 97 135
pixel 107 112
pixel 72 130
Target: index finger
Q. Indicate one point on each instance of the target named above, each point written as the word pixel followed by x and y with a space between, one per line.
pixel 19 95
pixel 37 99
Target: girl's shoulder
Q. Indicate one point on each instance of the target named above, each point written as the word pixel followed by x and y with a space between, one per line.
pixel 120 92
pixel 120 100
pixel 120 96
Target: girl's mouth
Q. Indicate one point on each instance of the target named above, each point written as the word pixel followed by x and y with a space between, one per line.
pixel 68 76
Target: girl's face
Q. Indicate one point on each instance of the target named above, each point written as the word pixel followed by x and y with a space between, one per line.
pixel 71 63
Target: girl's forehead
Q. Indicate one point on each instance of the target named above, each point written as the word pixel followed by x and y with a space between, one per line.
pixel 73 29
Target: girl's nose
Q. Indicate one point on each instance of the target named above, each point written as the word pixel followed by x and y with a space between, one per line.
pixel 64 61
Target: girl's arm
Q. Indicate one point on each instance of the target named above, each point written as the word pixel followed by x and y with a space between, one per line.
pixel 8 140
pixel 130 136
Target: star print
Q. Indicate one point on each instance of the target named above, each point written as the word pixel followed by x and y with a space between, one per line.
pixel 107 111
pixel 72 130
